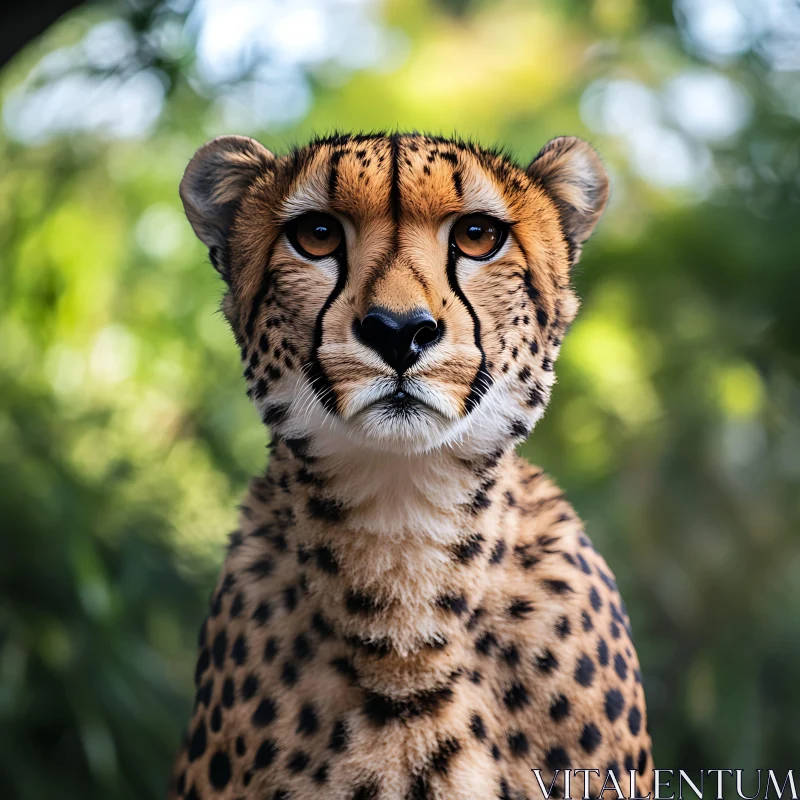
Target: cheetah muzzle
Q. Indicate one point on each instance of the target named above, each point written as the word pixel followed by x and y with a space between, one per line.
pixel 408 610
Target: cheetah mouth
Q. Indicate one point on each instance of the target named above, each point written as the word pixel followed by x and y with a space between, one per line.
pixel 406 400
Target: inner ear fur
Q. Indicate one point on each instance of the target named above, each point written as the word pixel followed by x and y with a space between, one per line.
pixel 571 172
pixel 213 184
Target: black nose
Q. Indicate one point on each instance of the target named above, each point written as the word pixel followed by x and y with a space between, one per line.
pixel 399 338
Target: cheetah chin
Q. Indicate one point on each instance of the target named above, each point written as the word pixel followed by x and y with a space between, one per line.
pixel 408 610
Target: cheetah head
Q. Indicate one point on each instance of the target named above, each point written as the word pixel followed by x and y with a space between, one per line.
pixel 404 292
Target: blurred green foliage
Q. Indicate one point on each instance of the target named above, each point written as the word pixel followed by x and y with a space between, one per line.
pixel 126 439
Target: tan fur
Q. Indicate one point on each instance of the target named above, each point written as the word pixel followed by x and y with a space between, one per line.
pixel 409 611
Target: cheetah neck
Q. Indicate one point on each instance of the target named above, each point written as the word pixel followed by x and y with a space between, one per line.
pixel 394 549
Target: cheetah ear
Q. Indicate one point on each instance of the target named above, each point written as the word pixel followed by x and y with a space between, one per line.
pixel 570 171
pixel 217 177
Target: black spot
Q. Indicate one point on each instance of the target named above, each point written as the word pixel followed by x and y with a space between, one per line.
pixel 546 662
pixel 271 649
pixel 584 566
pixel 526 560
pixel 325 509
pixel 594 599
pixel 265 713
pixel 219 649
pixel 289 674
pixel 590 738
pixel 620 667
pixel 326 561
pixel 420 789
pixel 204 693
pixel 520 608
pixel 455 603
pixel 536 396
pixel 518 744
pixel 239 650
pixel 344 666
pixel 381 709
pixel 629 762
pixel 480 501
pixel 516 696
pixel 440 760
pixel 498 552
pixel 266 753
pixel 273 414
pixel 340 736
pixel 541 317
pixel 203 661
pixel 468 549
pixel 322 627
pixel 262 567
pixel 477 727
pixel 262 613
pixel 369 791
pixel 321 773
pixel 197 744
pixel 510 655
pixel 641 764
pixel 216 719
pixel 520 429
pixel 361 603
pixel 236 606
pixel 584 671
pixel 634 720
pixel 602 652
pixel 307 720
pixel 228 693
pixel 613 629
pixel 563 628
pixel 290 598
pixel 557 586
pixel 614 704
pixel 298 761
pixel 241 747
pixel 613 766
pixel 302 647
pixel 485 642
pixel 557 758
pixel 249 686
pixel 219 770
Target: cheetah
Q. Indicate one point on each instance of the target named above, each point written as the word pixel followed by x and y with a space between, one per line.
pixel 408 610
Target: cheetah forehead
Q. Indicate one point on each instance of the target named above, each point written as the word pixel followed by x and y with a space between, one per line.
pixel 423 177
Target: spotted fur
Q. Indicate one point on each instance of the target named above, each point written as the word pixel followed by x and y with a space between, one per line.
pixel 409 610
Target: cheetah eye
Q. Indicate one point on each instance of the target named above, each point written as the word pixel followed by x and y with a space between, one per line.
pixel 478 236
pixel 315 235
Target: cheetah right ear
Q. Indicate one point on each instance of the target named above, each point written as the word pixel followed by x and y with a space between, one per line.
pixel 571 172
pixel 217 177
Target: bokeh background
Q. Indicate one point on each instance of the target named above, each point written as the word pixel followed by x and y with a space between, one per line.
pixel 125 436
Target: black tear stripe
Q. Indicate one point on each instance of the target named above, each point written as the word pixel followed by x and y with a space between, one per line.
pixel 320 383
pixel 482 380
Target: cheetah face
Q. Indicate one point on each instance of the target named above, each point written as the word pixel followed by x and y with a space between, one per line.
pixel 402 291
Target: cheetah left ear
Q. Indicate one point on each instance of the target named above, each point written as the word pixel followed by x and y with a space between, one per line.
pixel 213 185
pixel 571 172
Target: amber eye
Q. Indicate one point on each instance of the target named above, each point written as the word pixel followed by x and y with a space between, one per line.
pixel 478 235
pixel 315 235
